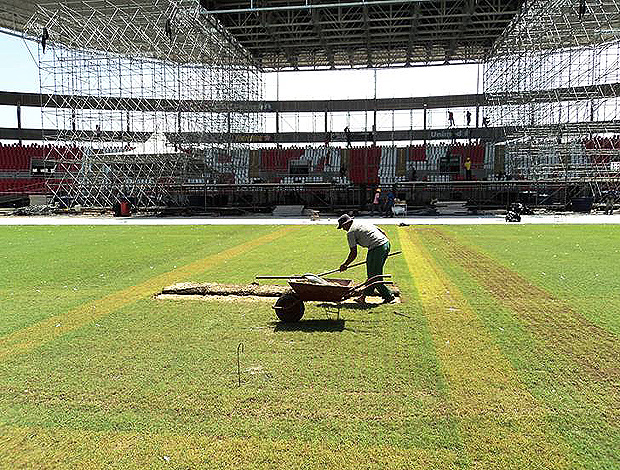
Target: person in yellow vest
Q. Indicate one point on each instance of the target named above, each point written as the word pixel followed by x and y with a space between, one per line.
pixel 468 169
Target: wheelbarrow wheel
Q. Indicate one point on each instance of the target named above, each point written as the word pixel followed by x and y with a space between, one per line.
pixel 289 308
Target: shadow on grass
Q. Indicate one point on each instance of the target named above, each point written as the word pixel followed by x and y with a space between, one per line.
pixel 331 307
pixel 310 326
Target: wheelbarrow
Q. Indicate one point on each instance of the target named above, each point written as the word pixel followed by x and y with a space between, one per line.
pixel 290 306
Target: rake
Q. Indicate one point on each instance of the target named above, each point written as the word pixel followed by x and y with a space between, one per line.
pixel 310 275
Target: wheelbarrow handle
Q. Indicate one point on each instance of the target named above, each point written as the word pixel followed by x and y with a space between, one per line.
pixel 279 277
pixel 372 282
pixel 378 277
pixel 358 289
pixel 353 265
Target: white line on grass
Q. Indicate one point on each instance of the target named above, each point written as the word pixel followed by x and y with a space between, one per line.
pixel 565 218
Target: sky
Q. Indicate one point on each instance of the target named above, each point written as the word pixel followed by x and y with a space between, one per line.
pixel 20 73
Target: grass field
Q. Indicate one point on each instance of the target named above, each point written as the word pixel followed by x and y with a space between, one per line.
pixel 505 353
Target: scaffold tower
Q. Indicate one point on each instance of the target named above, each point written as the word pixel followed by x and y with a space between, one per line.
pixel 142 98
pixel 553 81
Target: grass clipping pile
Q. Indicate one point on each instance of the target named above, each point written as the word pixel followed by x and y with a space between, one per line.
pixel 228 292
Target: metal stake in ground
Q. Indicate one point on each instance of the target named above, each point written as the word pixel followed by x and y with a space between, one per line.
pixel 239 351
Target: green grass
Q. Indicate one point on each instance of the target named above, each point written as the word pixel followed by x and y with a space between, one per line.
pixel 44 270
pixel 585 412
pixel 579 263
pixel 153 384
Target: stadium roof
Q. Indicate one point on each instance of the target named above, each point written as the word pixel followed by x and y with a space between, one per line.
pixel 297 34
pixel 344 33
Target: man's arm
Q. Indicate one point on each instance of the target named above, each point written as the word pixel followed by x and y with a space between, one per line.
pixel 349 260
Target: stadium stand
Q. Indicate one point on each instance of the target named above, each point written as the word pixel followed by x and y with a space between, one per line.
pixel 357 165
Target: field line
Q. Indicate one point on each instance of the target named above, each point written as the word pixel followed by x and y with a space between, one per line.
pixel 501 423
pixel 592 349
pixel 33 336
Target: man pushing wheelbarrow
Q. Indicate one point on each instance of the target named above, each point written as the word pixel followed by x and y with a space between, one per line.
pixel 372 237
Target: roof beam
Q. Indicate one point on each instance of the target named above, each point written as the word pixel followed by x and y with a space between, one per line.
pixel 309 6
pixel 316 24
pixel 413 31
pixel 404 19
pixel 359 40
pixel 579 93
pixel 468 13
pixel 265 21
pixel 367 36
pixel 280 137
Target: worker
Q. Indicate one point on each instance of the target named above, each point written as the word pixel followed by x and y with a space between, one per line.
pixel 347 133
pixel 376 202
pixel 468 169
pixel 610 199
pixel 390 199
pixel 372 237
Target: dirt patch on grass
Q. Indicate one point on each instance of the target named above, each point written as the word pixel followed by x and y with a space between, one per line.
pixel 222 292
pixel 593 348
pixel 219 298
pixel 213 288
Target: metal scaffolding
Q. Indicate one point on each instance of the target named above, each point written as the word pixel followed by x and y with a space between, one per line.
pixel 553 81
pixel 155 71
